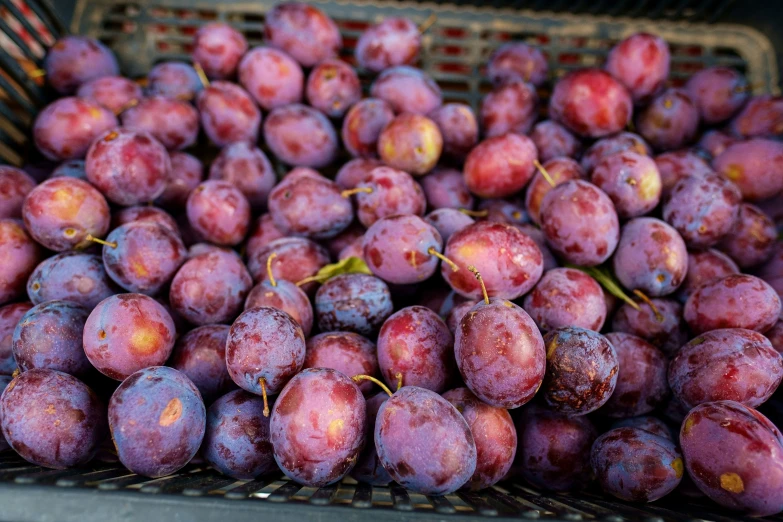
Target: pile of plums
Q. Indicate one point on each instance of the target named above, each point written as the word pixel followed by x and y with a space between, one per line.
pixel 617 291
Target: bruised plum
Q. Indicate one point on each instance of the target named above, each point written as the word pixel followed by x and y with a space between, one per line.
pixel 424 443
pixel 157 421
pixel 317 427
pixel 236 440
pixel 354 302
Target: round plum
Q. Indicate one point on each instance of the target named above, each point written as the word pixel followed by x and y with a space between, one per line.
pixel 500 166
pixel 200 355
pixel 74 60
pixel 271 77
pixel 641 63
pixel 665 329
pixel 755 166
pixel 511 107
pixel 566 297
pixel 459 128
pixel 752 238
pixel 394 41
pixel 174 123
pixel 347 352
pixel 65 128
pixel 517 61
pixel 20 255
pixel 353 302
pixel 301 136
pixel 333 87
pixel 718 92
pixel 228 113
pixel 174 79
pixel 387 192
pixel 407 89
pixel 303 31
pixel 15 184
pixel 217 48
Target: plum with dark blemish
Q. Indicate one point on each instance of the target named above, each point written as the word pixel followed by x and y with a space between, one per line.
pixel 591 103
pixel 65 128
pixel 670 121
pixel 554 450
pixel 559 170
pixel 500 353
pixel 10 315
pixel 403 249
pixel 217 48
pixel 446 188
pixel 424 442
pixel 60 213
pixel 666 329
pixel 641 63
pixel 718 92
pixel 157 421
pixel 362 126
pixel 228 113
pixel 651 257
pixel 264 349
pixel 517 61
pixel 174 123
pixel 347 352
pixel 566 297
pixel 728 364
pixel 200 355
pixel 304 31
pixel 174 80
pixel 297 258
pixel 500 166
pixel 509 261
pixel 751 240
pixel 219 212
pixel 128 332
pixel 511 107
pixel 648 423
pixel 286 296
pixel 15 184
pixel 702 209
pixel 318 426
pixel 631 181
pixel 309 205
pixel 736 301
pixel 74 60
pixel 613 144
pixel 634 465
pixel 368 468
pixel 580 223
pixel 676 165
pixel 447 221
pixel 144 213
pixel 210 288
pixel 271 77
pixel 246 167
pixel 20 255
pixel 128 167
pixel 494 434
pixel 143 257
pixel 459 128
pixel 386 192
pixel 641 380
pixel 391 42
pixel 755 166
pixel 52 419
pixel 333 87
pixel 554 141
pixel 734 454
pixel 49 336
pixel 301 136
pixel 416 345
pixel 407 89
pixel 581 370
pixel 353 302
pixel 762 117
pixel 237 439
pixel 410 142
pixel 72 276
pixel 186 174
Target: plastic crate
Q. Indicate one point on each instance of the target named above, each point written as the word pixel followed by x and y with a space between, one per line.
pixel 572 33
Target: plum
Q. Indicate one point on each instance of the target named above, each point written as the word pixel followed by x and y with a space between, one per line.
pixel 347 352
pixel 762 117
pixel 362 125
pixel 283 295
pixel 65 128
pixel 662 326
pixel 676 165
pixel 446 188
pixel 174 79
pixel 631 181
pixel 74 60
pixel 407 89
pixel 410 142
pixel 394 41
pixel 511 107
pixel 200 355
pixel 641 63
pixel 15 184
pixel 670 121
pixel 755 166
pixel 20 256
pixel 217 49
pixel 500 166
pixel 447 221
pixel 554 141
pixel 228 113
pixel 387 192
pixel 303 31
pixel 459 128
pixel 705 266
pixel 301 136
pixel 271 77
pixel 619 142
pixel 566 297
pixel 719 92
pixel 10 315
pixel 559 170
pixel 353 302
pixel 333 87
pixel 752 238
pixel 246 167
pixel 219 212
pixel 517 61
pixel 174 123
pixel 368 468
pixel 186 173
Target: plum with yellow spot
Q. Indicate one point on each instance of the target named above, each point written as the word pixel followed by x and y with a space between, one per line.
pixel 52 419
pixel 157 421
pixel 333 87
pixel 128 332
pixel 61 213
pixel 636 466
pixel 362 125
pixel 734 454
pixel 415 345
pixel 411 142
pixel 755 166
pixel 318 427
pixel 631 181
pixel 65 128
pixel 670 121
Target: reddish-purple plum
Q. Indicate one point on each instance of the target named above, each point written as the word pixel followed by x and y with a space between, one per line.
pixel 387 192
pixel 228 113
pixel 517 61
pixel 559 170
pixel 301 136
pixel 631 181
pixel 217 48
pixel 459 128
pixel 566 297
pixel 755 166
pixel 271 77
pixel 262 232
pixel 394 41
pixel 410 142
pixel 676 165
pixel 446 188
pixel 173 79
pixel 333 87
pixel 762 117
pixel 554 141
pixel 71 276
pixel 65 128
pixel 705 266
pixel 718 92
pixel 752 238
pixel 641 63
pixel 407 89
pixel 219 212
pixel 347 352
pixel 15 184
pixel 297 258
pixel 10 315
pixel 172 122
pixel 20 255
pixel 511 107
pixel 286 296
pixel 200 355
pixel 74 60
pixel 303 31
pixel 245 166
pixel 665 329
pixel 670 121
pixel 500 166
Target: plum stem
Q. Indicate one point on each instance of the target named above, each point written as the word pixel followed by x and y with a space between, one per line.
pixel 262 383
pixel 648 302
pixel 90 237
pixel 431 251
pixel 429 22
pixel 131 103
pixel 201 74
pixel 544 173
pixel 359 378
pixel 16 373
pixel 307 280
pixel 269 268
pixel 474 213
pixel 481 281
pixel 350 192
pixel 399 380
